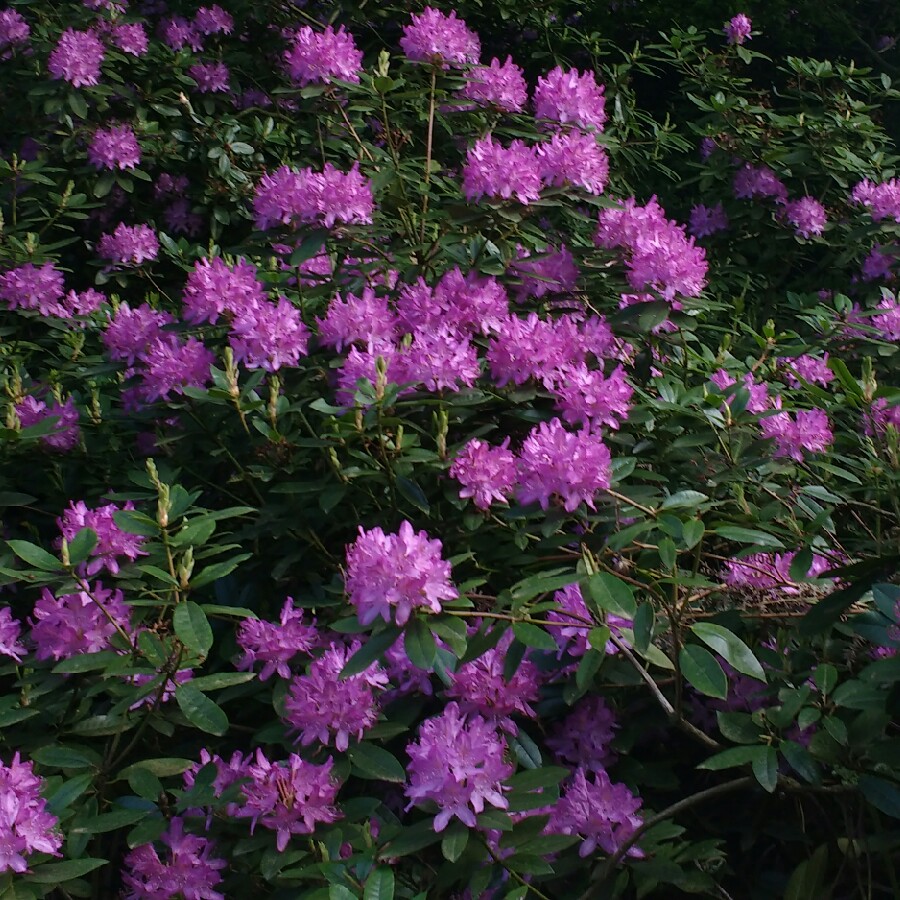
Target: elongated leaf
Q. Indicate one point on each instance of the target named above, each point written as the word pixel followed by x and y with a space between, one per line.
pixel 684 499
pixel 81 545
pixel 35 556
pixel 702 671
pixel 610 594
pixel 730 647
pixel 454 841
pixel 132 522
pixel 733 756
pixel 379 885
pixel 192 628
pixel 57 873
pixel 749 536
pixel 533 636
pixel 199 710
pixel 371 651
pixel 765 768
pixel 377 763
pixel 218 570
pixel 419 644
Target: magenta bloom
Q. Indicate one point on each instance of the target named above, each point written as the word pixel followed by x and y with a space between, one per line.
pixel 213 19
pixel 130 38
pixel 78 623
pixel 112 542
pixel 572 466
pixel 888 322
pixel 178 33
pixel 585 396
pixel 807 216
pixel 492 170
pixel 25 825
pixel 13 30
pixel 367 319
pixel 758 181
pixel 440 359
pixel 481 688
pixel 707 220
pixel 290 797
pixel 570 98
pixel 34 287
pixel 317 58
pixel 883 199
pixel 83 303
pixel 435 38
pixel 77 58
pixel 582 739
pixel 65 434
pixel 809 368
pixel 401 571
pixel 738 29
pixel 573 157
pixel 807 431
pixel 115 147
pixel 172 364
pixel 213 287
pixel 767 571
pixel 131 332
pixel 307 197
pixel 486 473
pixel 759 392
pixel 129 245
pixel 321 705
pixel 275 645
pixel 551 272
pixel 10 630
pixel 603 814
pixel 228 772
pixel 211 78
pixel 187 870
pixel 499 86
pixel 457 763
pixel 270 336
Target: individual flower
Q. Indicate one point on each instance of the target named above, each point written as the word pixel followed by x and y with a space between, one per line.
pixel 570 98
pixel 211 78
pixel 380 364
pixel 882 415
pixel 758 181
pixel 573 157
pixel 160 687
pixel 585 396
pixel 807 216
pixel 888 321
pixel 318 57
pixel 737 30
pixel 129 245
pixel 213 287
pixel 115 147
pixel 481 687
pixel 553 462
pixel 275 644
pixel 435 38
pixel 290 797
pixel 228 772
pixel 83 622
pixel 582 739
pixel 76 58
pixel 321 706
pixel 499 86
pixel 367 319
pixel 33 287
pixel 807 367
pixel 707 220
pixel 486 473
pixel 130 38
pixel 10 630
pixel 390 575
pixel 187 870
pixel 65 433
pixel 492 170
pixel 269 336
pixel 457 763
pixel 601 813
pixel 25 825
pixel 112 543
pixel 807 431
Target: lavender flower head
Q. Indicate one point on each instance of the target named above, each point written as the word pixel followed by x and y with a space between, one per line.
pixel 33 287
pixel 758 181
pixel 457 763
pixel 275 645
pixel 492 170
pixel 439 39
pixel 497 86
pixel 214 288
pixel 115 147
pixel 14 30
pixel 582 739
pixel 269 336
pixel 486 473
pixel 807 216
pixel 390 575
pixel 366 319
pixel 317 58
pixel 10 631
pixel 570 98
pixel 707 220
pixel 737 30
pixel 77 58
pixel 129 245
pixel 112 543
pixel 806 431
pixel 211 78
pixel 186 870
pixel 573 157
pixel 65 433
pixel 25 825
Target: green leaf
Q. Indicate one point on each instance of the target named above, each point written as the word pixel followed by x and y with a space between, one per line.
pixel 541 777
pixel 371 651
pixel 739 727
pixel 110 821
pixel 411 491
pixel 35 556
pixel 376 763
pixel 454 841
pixel 825 676
pixel 14 498
pixel 643 627
pixel 199 710
pixel 765 768
pixel 533 636
pixel 801 761
pixel 731 648
pixel 610 594
pixel 419 644
pixel 692 532
pixel 63 757
pixel 57 873
pixel 882 794
pixel 411 840
pixel 218 570
pixel 379 885
pixel 89 662
pixel 69 792
pixel 543 583
pixel 81 545
pixel 667 553
pixel 748 536
pixel 684 499
pixel 192 628
pixel 589 665
pixel 220 680
pixel 133 522
pixel 702 671
pixel 161 767
pixel 728 759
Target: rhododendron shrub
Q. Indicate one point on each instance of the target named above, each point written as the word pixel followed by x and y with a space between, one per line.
pixel 426 474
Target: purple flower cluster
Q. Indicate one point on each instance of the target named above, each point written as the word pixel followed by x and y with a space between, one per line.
pixel 130 38
pixel 367 320
pixel 275 645
pixel 115 147
pixel 570 98
pixel 457 763
pixel 112 543
pixel 582 739
pixel 805 431
pixel 129 245
pixel 758 181
pixel 809 368
pixel 758 399
pixel 324 198
pixel 807 216
pixel 659 254
pixel 269 336
pixel 738 29
pixel 33 287
pixel 322 706
pixel 390 575
pixel 65 433
pixel 492 170
pixel 882 200
pixel 10 632
pixel 486 473
pixel 188 870
pixel 552 272
pixel 25 825
pixel 497 86
pixel 14 30
pixel 317 58
pixel 435 38
pixel 213 287
pixel 707 220
pixel 768 571
pixel 575 158
pixel 77 58
pixel 211 78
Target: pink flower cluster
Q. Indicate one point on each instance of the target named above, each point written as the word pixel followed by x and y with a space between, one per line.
pixel 439 39
pixel 129 245
pixel 805 431
pixel 10 632
pixel 882 199
pixel 275 645
pixel 65 433
pixel 317 58
pixel 112 543
pixel 738 29
pixel 25 825
pixel 115 147
pixel 498 86
pixel 77 58
pixel 770 571
pixel 570 98
pixel 492 170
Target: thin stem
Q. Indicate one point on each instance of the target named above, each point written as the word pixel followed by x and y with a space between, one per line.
pixel 428 146
pixel 634 503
